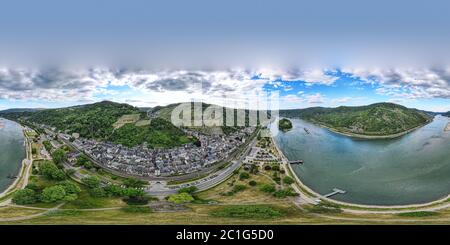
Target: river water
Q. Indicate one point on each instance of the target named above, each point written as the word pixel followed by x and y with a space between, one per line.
pixel 411 169
pixel 12 151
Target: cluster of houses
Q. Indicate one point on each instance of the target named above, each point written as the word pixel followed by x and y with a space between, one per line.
pixel 142 161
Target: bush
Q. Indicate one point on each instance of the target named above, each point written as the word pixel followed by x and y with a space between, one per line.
pixel 288 180
pixel 50 171
pixel 134 183
pixel 181 198
pixel 238 188
pixel 276 168
pixel 252 183
pixel 91 181
pixel 324 209
pixel 70 187
pixel 189 190
pixel 248 211
pixel 267 167
pixel 285 193
pixel 244 175
pixel 53 194
pixel 98 192
pixel 25 196
pixel 268 188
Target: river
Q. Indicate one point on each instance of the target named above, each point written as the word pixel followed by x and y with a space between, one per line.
pixel 12 151
pixel 411 169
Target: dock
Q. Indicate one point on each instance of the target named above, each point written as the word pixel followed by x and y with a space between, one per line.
pixel 296 162
pixel 306 130
pixel 335 192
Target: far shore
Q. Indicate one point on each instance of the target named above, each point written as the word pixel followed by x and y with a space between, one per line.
pixel 363 136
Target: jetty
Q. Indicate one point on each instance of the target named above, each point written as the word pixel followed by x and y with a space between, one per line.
pixel 306 130
pixel 296 162
pixel 335 192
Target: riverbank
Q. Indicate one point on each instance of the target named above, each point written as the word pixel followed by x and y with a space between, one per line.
pixel 363 136
pixel 311 197
pixel 23 169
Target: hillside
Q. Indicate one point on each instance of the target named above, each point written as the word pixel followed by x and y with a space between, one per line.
pixel 381 119
pixel 100 120
pixel 165 112
pixel 447 114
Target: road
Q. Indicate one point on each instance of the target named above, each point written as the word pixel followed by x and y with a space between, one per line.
pixel 159 188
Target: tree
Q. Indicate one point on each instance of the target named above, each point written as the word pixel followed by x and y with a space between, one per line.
pixel 50 171
pixel 98 192
pixel 134 183
pixel 59 156
pixel 244 175
pixel 70 187
pixel 53 194
pixel 70 172
pixel 84 161
pixel 252 183
pixel 181 198
pixel 91 181
pixel 189 190
pixel 267 188
pixel 25 196
pixel 288 180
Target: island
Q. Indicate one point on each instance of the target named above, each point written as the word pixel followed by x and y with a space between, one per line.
pixel 284 125
pixel 375 121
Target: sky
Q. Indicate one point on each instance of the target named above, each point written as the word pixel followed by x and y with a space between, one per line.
pixel 148 53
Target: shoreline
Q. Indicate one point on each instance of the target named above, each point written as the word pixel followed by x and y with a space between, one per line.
pixel 347 206
pixel 363 136
pixel 21 173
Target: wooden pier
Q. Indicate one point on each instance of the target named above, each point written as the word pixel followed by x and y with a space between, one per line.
pixel 296 162
pixel 335 192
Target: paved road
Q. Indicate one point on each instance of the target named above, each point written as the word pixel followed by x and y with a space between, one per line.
pixel 159 188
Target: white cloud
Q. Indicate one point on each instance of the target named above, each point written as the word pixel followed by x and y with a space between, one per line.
pixel 412 83
pixel 309 76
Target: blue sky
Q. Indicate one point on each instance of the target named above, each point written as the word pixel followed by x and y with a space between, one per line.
pixel 427 89
pixel 314 53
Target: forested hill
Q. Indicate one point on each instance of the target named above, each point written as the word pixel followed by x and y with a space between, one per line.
pixel 109 121
pixel 372 120
pixel 447 114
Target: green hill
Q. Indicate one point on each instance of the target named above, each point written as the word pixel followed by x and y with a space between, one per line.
pixel 447 114
pixel 381 119
pixel 99 120
pixel 285 124
pixel 165 112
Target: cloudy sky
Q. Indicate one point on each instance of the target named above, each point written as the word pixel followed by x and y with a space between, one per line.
pixel 312 53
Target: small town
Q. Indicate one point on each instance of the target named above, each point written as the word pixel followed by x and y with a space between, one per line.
pixel 141 161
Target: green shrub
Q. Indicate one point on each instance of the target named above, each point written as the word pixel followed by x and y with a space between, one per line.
pixel 267 188
pixel 252 183
pixel 288 180
pixel 91 181
pixel 238 188
pixel 189 190
pixel 181 198
pixel 285 193
pixel 25 196
pixel 53 194
pixel 244 175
